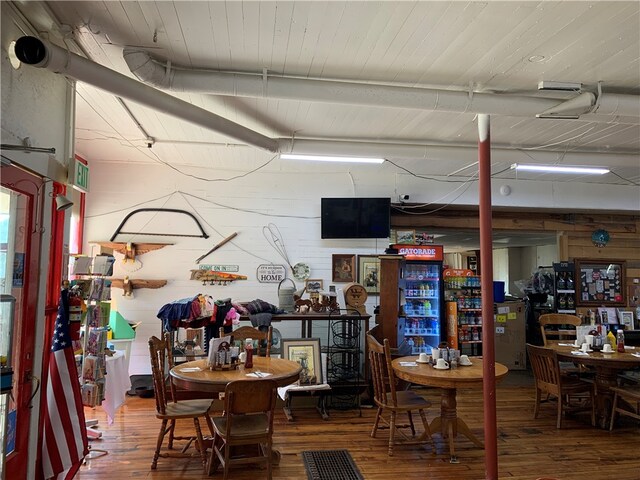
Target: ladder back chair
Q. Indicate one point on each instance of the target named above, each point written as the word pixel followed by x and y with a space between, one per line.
pixel 249 407
pixel 629 394
pixel 392 401
pixel 558 320
pixel 548 379
pixel 170 410
pixel 264 338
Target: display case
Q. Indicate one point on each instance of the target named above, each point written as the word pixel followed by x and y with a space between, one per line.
pixel 464 310
pixel 564 288
pixel 601 283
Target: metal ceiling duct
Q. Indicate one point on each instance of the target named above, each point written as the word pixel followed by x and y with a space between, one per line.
pixel 152 72
pixel 42 54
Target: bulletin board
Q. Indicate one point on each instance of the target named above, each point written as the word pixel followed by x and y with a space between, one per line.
pixel 601 283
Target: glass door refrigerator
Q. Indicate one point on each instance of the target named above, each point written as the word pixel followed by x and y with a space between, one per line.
pixel 424 296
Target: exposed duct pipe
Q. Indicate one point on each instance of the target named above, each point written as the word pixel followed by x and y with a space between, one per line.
pixel 148 70
pixel 36 52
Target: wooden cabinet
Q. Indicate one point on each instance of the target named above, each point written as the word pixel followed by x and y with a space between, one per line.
pixel 391 319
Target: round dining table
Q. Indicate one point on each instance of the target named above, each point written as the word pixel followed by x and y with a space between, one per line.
pixel 197 377
pixel 448 424
pixel 607 366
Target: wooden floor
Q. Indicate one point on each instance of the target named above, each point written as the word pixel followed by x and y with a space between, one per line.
pixel 527 448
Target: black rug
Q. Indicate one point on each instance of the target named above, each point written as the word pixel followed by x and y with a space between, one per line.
pixel 330 465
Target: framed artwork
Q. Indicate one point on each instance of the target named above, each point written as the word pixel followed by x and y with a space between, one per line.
pixel 306 352
pixel 601 283
pixel 406 237
pixel 314 285
pixel 626 319
pixel 608 315
pixel 369 273
pixel 343 268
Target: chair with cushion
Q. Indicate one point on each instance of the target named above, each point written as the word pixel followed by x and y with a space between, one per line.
pixel 249 407
pixel 264 338
pixel 171 410
pixel 392 401
pixel 546 372
pixel 558 326
pixel 631 396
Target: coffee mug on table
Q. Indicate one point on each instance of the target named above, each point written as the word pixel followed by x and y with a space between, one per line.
pixel 464 360
pixel 423 358
pixel 607 348
pixel 442 363
pixel 585 347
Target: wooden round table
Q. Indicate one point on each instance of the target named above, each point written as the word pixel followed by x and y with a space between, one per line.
pixel 607 367
pixel 448 423
pixel 284 372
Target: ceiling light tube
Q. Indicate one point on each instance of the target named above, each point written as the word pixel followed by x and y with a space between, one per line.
pixel 329 158
pixel 559 169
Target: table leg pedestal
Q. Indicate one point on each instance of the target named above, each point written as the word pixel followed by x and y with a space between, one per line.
pixel 449 424
pixel 605 379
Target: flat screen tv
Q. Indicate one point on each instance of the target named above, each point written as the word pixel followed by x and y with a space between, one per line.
pixel 355 217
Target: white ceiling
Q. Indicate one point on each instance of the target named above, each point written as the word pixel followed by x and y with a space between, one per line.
pixel 504 48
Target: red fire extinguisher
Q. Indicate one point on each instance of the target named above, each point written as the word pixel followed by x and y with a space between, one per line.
pixel 75 316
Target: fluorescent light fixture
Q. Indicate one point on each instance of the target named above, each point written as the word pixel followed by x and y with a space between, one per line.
pixel 559 169
pixel 330 158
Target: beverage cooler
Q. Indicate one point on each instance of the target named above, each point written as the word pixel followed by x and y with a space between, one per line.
pixel 424 297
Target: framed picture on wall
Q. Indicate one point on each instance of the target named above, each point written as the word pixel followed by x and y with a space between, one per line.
pixel 314 285
pixel 369 273
pixel 406 237
pixel 601 283
pixel 343 268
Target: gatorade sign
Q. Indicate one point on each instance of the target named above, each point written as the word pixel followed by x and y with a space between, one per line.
pixel 421 252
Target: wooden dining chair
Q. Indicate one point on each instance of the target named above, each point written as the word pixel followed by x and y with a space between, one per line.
pixel 392 401
pixel 264 338
pixel 558 325
pixel 249 407
pixel 168 409
pixel 548 379
pixel 631 396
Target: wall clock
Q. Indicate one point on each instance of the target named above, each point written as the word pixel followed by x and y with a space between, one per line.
pixel 301 271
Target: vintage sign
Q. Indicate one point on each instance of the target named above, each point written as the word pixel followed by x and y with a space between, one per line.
pixel 419 252
pixel 271 273
pixel 220 268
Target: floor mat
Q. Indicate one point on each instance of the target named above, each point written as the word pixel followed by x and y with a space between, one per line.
pixel 330 465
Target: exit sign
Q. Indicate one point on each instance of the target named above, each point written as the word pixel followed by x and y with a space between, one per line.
pixel 80 176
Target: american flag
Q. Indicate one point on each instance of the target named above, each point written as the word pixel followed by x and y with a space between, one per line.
pixel 64 443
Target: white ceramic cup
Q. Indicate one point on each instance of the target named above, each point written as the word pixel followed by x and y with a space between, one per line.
pixel 464 360
pixel 242 357
pixel 435 353
pixel 607 348
pixel 589 339
pixel 423 357
pixel 585 347
pixel 442 363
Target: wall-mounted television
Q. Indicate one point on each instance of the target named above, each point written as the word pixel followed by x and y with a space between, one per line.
pixel 355 217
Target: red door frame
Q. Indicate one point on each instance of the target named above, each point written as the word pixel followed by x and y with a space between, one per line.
pixel 32 188
pixel 54 282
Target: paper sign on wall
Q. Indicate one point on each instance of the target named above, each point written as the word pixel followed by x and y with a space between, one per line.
pixel 512 315
pixel 501 318
pixel 499 329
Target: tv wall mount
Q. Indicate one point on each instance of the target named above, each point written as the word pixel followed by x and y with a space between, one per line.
pixel 168 234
